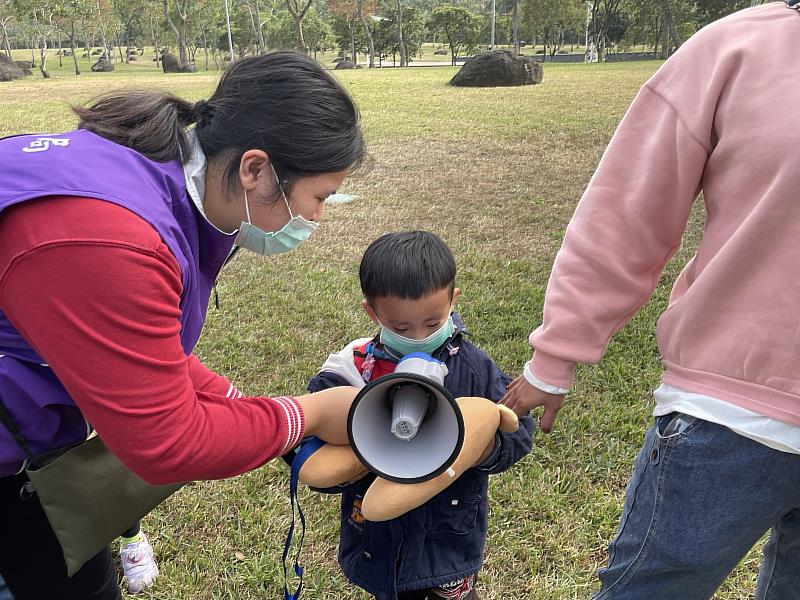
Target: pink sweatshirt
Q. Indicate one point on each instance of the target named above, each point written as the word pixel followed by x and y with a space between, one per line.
pixel 722 116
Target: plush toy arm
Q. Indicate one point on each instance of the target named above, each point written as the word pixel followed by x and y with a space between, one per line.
pixel 331 466
pixel 386 500
pixel 326 413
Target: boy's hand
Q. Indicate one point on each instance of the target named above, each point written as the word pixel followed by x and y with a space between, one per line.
pixel 326 413
pixel 522 397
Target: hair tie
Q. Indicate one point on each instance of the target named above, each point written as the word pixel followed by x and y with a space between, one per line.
pixel 202 112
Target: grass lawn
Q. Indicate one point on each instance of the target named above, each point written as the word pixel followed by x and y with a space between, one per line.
pixel 495 172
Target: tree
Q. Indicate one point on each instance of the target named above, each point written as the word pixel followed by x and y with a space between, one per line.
pixel 365 9
pixel 317 32
pixel 129 13
pixel 460 26
pixel 345 13
pixel 186 12
pixel 6 16
pixel 604 14
pixel 69 17
pixel 298 10
pixel 549 20
pixel 281 31
pixel 254 9
pixel 37 13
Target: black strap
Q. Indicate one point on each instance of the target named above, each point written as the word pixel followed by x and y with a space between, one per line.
pixel 5 419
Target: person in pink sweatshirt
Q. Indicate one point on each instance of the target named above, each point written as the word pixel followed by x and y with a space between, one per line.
pixel 721 464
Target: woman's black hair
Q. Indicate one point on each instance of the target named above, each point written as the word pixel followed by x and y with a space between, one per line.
pixel 408 265
pixel 283 103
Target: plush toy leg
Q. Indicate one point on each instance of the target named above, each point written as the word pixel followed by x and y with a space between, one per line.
pixel 331 466
pixel 386 500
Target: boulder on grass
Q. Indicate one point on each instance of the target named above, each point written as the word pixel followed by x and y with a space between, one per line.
pixel 103 65
pixel 440 52
pixel 9 71
pixel 345 64
pixel 498 68
pixel 170 64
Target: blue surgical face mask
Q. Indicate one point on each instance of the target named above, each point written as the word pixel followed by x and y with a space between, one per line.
pixel 404 345
pixel 287 238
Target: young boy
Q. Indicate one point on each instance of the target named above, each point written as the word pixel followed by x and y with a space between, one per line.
pixel 436 550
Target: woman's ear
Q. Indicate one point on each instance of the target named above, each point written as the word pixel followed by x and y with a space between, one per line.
pixel 370 312
pixel 255 169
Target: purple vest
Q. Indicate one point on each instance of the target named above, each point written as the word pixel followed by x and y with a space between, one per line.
pixel 79 163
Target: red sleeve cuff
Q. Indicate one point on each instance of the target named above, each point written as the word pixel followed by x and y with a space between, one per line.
pixel 295 421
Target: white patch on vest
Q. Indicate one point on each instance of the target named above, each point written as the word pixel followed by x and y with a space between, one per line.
pixel 42 144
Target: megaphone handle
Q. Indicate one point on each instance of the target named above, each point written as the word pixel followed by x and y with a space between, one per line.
pixel 307 449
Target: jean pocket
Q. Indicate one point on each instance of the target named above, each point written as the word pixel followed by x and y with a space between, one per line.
pixel 673 425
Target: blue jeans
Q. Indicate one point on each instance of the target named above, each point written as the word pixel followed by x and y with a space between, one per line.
pixel 697 502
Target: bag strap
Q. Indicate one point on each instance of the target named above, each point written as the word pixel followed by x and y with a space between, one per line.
pixel 8 421
pixel 308 448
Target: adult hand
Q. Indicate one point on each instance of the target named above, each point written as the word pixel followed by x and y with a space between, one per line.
pixel 326 413
pixel 522 397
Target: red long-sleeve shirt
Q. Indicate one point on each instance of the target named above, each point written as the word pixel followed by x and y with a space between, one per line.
pixel 96 292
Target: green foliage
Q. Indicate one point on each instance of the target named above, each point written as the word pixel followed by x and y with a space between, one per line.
pixel 462 28
pixel 318 32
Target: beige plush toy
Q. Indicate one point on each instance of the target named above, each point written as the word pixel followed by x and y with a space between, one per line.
pixel 335 465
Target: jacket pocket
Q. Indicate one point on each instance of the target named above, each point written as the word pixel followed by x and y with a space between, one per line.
pixel 453 515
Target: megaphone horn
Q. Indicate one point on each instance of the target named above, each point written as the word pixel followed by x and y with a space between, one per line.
pixel 406 427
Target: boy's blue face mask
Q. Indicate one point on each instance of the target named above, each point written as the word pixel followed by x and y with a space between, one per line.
pixel 403 345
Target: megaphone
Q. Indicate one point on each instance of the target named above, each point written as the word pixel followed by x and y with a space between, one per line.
pixel 405 426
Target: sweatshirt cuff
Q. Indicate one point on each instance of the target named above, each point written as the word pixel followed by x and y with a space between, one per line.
pixel 550 371
pixel 295 421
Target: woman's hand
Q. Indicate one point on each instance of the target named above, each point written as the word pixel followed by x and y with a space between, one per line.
pixel 522 397
pixel 326 413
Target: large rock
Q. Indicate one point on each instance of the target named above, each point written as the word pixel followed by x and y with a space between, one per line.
pixel 170 64
pixel 498 68
pixel 103 65
pixel 345 64
pixel 9 70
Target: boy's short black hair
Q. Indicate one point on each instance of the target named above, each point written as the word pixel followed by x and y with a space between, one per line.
pixel 408 265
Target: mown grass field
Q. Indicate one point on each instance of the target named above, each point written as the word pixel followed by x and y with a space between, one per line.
pixel 496 173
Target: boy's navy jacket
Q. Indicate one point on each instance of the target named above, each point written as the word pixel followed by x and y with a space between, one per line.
pixel 443 540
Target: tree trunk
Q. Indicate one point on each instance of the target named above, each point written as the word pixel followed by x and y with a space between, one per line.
pixel 60 53
pixel 43 58
pixel 298 34
pixel 670 23
pixel 353 56
pixel 103 43
pixel 261 45
pixel 665 47
pixel 401 44
pixel 6 43
pixel 370 45
pixel 205 47
pixel 515 28
pixel 180 35
pixel 74 54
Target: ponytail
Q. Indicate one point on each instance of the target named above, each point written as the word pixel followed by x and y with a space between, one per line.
pixel 152 123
